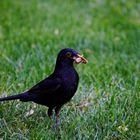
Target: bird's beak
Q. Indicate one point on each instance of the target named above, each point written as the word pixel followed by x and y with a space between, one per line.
pixel 80 59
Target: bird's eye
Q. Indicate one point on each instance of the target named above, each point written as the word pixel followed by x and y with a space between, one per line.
pixel 68 54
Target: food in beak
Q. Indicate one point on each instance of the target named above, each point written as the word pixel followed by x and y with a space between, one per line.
pixel 80 59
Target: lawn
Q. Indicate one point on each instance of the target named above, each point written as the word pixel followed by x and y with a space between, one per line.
pixel 107 103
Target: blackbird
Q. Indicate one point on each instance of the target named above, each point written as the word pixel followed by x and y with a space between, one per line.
pixel 57 89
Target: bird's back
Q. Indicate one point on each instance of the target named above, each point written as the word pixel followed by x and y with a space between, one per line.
pixel 58 94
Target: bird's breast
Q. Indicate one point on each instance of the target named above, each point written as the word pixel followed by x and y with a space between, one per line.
pixel 70 83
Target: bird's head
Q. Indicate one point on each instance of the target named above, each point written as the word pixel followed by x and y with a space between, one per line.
pixel 68 56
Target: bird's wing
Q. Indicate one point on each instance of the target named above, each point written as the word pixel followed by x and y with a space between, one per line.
pixel 48 85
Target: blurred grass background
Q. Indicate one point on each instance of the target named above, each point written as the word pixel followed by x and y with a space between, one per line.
pixel 107 103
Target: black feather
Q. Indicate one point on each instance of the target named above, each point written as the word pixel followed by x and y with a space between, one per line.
pixel 55 90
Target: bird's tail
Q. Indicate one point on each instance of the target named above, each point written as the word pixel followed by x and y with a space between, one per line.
pixel 13 97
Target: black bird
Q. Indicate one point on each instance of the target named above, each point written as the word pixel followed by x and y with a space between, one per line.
pixel 57 89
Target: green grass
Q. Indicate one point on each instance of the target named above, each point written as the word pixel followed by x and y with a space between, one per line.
pixel 106 32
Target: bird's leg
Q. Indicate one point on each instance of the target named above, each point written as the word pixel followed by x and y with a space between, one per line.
pixel 51 116
pixel 50 112
pixel 57 120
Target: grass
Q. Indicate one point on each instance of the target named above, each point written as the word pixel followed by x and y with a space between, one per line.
pixel 107 103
